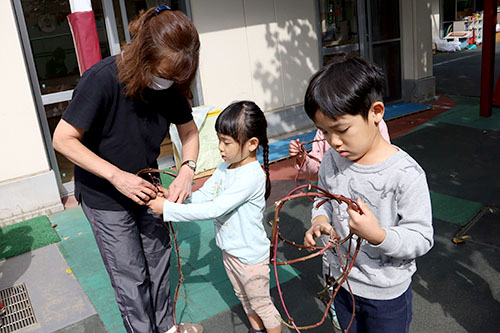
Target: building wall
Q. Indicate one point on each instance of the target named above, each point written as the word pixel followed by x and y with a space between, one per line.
pixel 416 43
pixel 258 49
pixel 20 134
pixel 436 19
pixel 27 185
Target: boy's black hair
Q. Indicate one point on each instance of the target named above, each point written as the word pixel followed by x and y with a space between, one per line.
pixel 347 85
pixel 242 121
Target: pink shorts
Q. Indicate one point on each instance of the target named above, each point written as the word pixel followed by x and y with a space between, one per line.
pixel 251 286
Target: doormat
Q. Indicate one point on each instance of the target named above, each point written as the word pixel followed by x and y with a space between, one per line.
pixel 279 150
pixel 403 109
pixel 26 236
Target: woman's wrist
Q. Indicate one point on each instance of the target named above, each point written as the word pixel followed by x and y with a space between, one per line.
pixel 186 171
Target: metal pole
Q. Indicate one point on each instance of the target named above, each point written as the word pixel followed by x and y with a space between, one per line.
pixel 488 58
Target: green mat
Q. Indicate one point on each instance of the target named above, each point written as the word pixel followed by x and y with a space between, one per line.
pixel 466 113
pixel 26 236
pixel 454 210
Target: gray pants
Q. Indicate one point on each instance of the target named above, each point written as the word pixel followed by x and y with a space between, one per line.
pixel 135 248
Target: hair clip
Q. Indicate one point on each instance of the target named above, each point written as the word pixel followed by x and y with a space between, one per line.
pixel 159 9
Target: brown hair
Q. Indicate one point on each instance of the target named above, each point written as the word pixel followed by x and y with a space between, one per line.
pixel 163 43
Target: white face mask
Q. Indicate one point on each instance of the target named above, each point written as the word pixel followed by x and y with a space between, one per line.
pixel 160 84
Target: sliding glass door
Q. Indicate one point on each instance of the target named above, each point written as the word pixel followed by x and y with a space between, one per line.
pixel 369 28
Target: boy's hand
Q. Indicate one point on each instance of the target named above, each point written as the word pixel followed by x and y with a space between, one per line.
pixel 156 204
pixel 320 225
pixel 366 225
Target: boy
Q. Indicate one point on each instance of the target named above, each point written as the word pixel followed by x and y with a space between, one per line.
pixel 344 99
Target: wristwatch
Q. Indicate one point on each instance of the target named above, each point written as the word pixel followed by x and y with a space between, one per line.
pixel 190 163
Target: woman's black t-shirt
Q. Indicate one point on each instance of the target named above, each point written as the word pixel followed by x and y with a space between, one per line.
pixel 124 131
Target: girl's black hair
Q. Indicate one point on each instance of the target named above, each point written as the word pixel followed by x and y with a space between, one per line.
pixel 347 85
pixel 242 121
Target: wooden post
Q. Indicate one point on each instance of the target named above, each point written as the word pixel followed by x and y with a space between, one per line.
pixel 488 57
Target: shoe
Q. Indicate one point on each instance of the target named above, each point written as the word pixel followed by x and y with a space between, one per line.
pixel 333 317
pixel 253 330
pixel 187 328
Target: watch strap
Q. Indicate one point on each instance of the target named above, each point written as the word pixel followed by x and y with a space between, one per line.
pixel 189 163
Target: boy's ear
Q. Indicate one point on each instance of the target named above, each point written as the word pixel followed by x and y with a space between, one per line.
pixel 253 144
pixel 378 110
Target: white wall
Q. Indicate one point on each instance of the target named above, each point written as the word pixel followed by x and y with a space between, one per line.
pixel 264 50
pixel 419 84
pixel 28 187
pixel 416 39
pixel 21 145
pixel 436 19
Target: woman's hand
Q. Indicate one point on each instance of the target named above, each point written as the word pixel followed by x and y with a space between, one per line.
pixel 134 187
pixel 365 225
pixel 181 187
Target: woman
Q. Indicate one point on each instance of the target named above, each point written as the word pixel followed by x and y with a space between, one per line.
pixel 119 114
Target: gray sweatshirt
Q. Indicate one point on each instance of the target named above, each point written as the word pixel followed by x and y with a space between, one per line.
pixel 396 192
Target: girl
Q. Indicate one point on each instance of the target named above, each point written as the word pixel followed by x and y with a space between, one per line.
pixel 235 197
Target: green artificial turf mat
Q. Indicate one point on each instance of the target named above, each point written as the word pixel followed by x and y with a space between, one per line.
pixel 26 236
pixel 454 210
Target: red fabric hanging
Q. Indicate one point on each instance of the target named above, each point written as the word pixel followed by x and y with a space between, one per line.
pixel 84 31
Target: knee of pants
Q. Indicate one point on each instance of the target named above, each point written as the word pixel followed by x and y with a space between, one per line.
pixel 244 302
pixel 269 315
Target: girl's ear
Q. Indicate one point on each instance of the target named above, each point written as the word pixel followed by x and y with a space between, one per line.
pixel 252 144
pixel 378 110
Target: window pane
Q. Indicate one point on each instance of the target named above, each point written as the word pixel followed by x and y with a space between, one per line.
pixel 52 44
pixel 385 19
pixel 54 112
pixel 339 25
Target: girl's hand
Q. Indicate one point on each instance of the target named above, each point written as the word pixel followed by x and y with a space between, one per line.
pixel 162 192
pixel 320 225
pixel 366 225
pixel 156 205
pixel 133 187
pixel 294 148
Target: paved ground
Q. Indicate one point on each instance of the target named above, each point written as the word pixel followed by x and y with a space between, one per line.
pixel 460 73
